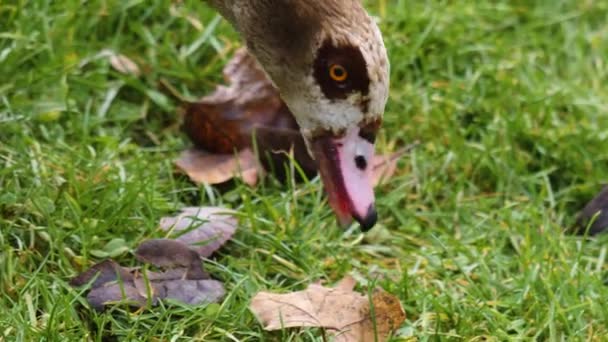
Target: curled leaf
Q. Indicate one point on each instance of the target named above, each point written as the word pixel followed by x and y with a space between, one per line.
pixel 205 229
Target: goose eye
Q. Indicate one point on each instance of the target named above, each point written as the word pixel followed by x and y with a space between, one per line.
pixel 338 73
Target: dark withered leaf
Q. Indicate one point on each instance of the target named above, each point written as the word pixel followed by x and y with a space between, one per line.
pixel 224 120
pixel 138 292
pixel 166 253
pixel 113 293
pixel 180 284
pixel 594 213
pixel 103 272
pixel 182 278
pixel 205 229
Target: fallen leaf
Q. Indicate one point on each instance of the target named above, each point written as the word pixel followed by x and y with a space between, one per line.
pixel 166 253
pixel 225 119
pixel 594 215
pixel 183 261
pixel 135 289
pixel 191 292
pixel 247 112
pixel 103 272
pixel 182 278
pixel 124 64
pixel 205 229
pixel 114 293
pixel 204 167
pixel 340 310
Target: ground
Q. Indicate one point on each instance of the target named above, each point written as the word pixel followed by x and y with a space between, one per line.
pixel 509 100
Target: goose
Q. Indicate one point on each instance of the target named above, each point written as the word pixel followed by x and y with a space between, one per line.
pixel 328 61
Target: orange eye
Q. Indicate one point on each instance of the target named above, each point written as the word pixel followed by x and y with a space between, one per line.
pixel 338 73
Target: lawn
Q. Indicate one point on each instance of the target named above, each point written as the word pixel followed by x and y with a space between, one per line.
pixel 509 100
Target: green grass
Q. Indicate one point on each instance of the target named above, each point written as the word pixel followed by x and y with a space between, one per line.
pixel 509 100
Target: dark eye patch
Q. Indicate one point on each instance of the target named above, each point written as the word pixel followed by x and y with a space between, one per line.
pixel 349 57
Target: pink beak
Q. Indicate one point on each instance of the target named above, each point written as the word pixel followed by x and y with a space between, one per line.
pixel 345 166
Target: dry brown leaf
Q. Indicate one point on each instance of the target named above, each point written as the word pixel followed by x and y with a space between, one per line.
pixel 204 229
pixel 204 167
pixel 124 64
pixel 340 310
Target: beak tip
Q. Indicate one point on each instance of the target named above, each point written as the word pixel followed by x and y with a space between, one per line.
pixel 369 220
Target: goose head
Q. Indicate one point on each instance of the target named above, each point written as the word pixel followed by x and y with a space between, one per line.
pixel 329 63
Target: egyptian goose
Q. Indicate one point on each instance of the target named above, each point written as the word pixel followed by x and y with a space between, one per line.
pixel 329 63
